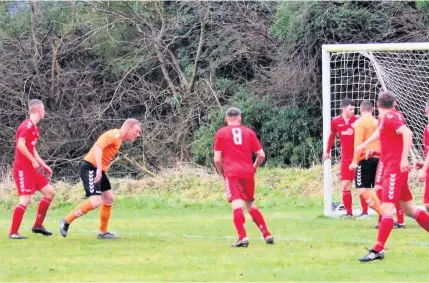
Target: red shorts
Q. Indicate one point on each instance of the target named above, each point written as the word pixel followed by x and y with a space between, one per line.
pixel 239 188
pixel 379 174
pixel 395 185
pixel 426 194
pixel 345 173
pixel 28 181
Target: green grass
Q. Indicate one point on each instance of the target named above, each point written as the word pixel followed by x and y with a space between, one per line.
pixel 192 244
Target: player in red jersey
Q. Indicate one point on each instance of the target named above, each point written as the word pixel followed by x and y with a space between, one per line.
pixel 423 174
pixel 395 140
pixel 400 220
pixel 343 125
pixel 233 149
pixel 27 173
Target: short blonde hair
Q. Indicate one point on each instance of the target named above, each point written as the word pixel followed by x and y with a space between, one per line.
pixel 130 122
pixel 33 104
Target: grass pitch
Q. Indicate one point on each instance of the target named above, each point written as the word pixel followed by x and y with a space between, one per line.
pixel 192 244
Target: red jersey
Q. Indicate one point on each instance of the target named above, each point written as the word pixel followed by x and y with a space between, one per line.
pixel 345 130
pixel 426 140
pixel 29 132
pixel 237 144
pixel 391 143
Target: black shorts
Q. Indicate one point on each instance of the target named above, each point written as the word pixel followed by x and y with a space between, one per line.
pixel 365 173
pixel 87 174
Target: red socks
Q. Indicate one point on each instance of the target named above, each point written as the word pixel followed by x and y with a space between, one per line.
pixel 399 214
pixel 364 205
pixel 17 216
pixel 422 218
pixel 347 201
pixel 42 209
pixel 239 221
pixel 259 221
pixel 384 228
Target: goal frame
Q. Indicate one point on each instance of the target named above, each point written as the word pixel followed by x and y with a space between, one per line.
pixel 327 49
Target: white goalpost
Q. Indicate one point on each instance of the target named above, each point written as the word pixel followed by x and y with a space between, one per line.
pixel 359 72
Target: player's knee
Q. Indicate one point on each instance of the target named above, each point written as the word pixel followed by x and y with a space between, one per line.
pixel 249 205
pixel 387 208
pixel 24 200
pixel 237 203
pixel 109 200
pixel 49 192
pixel 427 207
pixel 96 201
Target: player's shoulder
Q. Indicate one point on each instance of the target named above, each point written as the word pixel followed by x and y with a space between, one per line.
pixel 26 124
pixel 336 118
pixel 114 134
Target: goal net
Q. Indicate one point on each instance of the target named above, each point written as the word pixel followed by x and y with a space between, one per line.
pixel 360 72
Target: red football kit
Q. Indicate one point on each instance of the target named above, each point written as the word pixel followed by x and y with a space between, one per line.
pixel 27 179
pixel 237 143
pixel 394 182
pixel 345 130
pixel 426 149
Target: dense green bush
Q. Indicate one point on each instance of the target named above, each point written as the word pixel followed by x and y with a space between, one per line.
pixel 287 133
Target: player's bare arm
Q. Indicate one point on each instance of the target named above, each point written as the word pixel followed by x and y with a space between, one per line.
pixel 359 131
pixel 42 163
pixel 260 156
pixel 424 168
pixel 218 161
pixel 24 150
pixel 372 138
pixel 407 137
pixel 98 153
pixel 327 152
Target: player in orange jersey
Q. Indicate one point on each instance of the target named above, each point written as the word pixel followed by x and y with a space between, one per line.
pixel 366 167
pixel 93 170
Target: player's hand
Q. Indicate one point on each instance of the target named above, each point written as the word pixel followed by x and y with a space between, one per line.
pixel 405 166
pixel 359 148
pixel 353 166
pixel 35 164
pixel 418 165
pixel 326 156
pixel 422 176
pixel 98 176
pixel 48 171
pixel 369 153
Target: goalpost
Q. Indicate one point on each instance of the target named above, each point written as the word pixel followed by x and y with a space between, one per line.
pixel 359 72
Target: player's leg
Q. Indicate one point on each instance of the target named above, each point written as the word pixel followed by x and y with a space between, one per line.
pixel 346 177
pixel 92 190
pixel 42 185
pixel 421 217
pixel 365 178
pixel 248 186
pixel 25 188
pixel 233 193
pixel 400 219
pixel 106 209
pixel 377 186
pixel 393 183
pixel 426 193
pixel 17 216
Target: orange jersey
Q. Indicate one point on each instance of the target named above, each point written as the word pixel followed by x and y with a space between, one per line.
pixel 110 142
pixel 364 128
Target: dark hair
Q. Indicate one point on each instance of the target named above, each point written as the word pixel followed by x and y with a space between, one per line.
pixel 233 112
pixel 386 99
pixel 366 105
pixel 347 102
